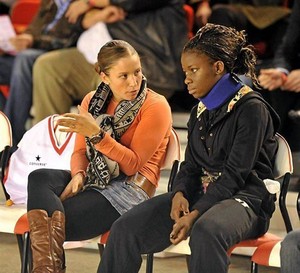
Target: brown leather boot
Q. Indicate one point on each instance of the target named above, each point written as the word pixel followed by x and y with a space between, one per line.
pixel 47 235
pixel 57 231
pixel 40 241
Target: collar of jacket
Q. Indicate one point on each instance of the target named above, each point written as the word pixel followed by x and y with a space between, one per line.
pixel 240 93
pixel 225 88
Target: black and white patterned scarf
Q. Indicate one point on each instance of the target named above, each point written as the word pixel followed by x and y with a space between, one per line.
pixel 101 169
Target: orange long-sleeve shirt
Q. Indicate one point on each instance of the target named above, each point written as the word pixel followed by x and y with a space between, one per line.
pixel 141 148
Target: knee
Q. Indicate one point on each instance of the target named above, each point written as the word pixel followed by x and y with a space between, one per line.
pixel 205 230
pixel 23 62
pixel 120 225
pixel 25 56
pixel 37 179
pixel 291 239
pixel 43 63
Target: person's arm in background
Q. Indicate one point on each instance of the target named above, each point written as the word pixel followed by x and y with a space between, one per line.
pixel 62 35
pixel 282 75
pixel 109 14
pixel 109 11
pixel 202 10
pixel 80 7
pixel 25 40
pixel 137 6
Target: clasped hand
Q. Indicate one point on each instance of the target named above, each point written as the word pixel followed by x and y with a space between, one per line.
pixel 183 218
pixel 272 79
pixel 22 41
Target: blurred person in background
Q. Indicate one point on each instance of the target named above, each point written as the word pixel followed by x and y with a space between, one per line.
pixel 50 29
pixel 281 82
pixel 156 28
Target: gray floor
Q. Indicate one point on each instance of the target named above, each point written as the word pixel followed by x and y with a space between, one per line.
pixel 84 260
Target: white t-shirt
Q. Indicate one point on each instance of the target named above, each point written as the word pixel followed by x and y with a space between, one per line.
pixel 91 40
pixel 43 146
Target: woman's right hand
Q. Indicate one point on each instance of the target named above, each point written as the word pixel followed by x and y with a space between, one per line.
pixel 109 14
pixel 180 206
pixel 74 186
pixel 270 79
pixel 76 9
pixel 293 81
pixel 184 219
pixel 82 123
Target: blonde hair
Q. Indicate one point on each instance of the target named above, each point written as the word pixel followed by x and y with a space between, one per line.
pixel 111 52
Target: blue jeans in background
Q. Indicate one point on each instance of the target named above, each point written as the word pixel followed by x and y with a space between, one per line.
pixel 19 102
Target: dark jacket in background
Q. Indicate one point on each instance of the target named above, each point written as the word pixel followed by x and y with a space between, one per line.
pixel 62 35
pixel 288 53
pixel 158 35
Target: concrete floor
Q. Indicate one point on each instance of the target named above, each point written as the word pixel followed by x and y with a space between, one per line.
pixel 85 260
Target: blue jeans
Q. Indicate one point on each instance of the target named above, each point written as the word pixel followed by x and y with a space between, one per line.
pixel 19 102
pixel 290 253
pixel 6 65
pixel 146 229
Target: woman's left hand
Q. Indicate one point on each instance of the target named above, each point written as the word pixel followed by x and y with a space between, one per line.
pixel 74 186
pixel 82 123
pixel 293 81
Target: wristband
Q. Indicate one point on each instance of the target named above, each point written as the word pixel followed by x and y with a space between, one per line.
pixel 95 139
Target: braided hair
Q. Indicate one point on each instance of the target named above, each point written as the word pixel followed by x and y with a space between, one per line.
pixel 227 45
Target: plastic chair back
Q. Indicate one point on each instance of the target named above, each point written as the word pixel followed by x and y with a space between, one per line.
pixel 6 133
pixel 5 145
pixel 190 17
pixel 173 150
pixel 284 161
pixel 22 13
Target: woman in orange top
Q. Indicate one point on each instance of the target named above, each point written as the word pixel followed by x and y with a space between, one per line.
pixel 122 134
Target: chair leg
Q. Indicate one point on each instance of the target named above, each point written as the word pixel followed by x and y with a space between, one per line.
pixel 30 261
pixel 149 263
pixel 20 244
pixel 24 251
pixel 187 259
pixel 101 249
pixel 254 267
